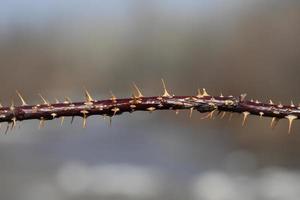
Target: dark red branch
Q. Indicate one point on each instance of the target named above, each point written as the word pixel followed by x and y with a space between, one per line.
pixel 111 107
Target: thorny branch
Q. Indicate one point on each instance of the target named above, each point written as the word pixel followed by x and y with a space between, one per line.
pixel 202 102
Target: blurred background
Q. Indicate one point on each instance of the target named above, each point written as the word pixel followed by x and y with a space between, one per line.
pixel 57 47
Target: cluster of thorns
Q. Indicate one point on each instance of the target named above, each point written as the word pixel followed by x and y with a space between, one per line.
pixel 202 102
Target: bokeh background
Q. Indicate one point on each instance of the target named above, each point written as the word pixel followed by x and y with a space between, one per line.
pixel 57 47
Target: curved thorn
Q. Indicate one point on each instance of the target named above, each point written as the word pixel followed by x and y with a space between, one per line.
pixel 43 99
pixel 21 98
pixel 291 118
pixel 139 93
pixel 274 122
pixel 88 97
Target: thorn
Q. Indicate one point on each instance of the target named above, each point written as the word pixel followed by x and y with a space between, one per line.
pixel 292 104
pixel 245 117
pixel 271 102
pixel 56 101
pixel 84 121
pixel 84 113
pixel 230 116
pixel 176 112
pixel 62 121
pixel 12 106
pixel 7 128
pixel 21 98
pixel 199 94
pixel 72 119
pixel 191 112
pixel 204 92
pixel 291 118
pixel 42 123
pixel 113 97
pixel 223 115
pixel 139 93
pixel 115 110
pixel 166 94
pixel 151 109
pixel 53 115
pixel 68 100
pixel 261 114
pixel 44 100
pixel 221 95
pixel 274 122
pixel 209 115
pixel 280 105
pixel 14 123
pixel 88 97
pixel 243 97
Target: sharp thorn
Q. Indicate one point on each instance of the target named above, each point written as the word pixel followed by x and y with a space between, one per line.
pixel 56 101
pixel 139 93
pixel 291 118
pixel 84 121
pixel 113 97
pixel 191 112
pixel 271 102
pixel 88 97
pixel 166 93
pixel 199 94
pixel 14 123
pixel 230 116
pixel 261 114
pixel 223 115
pixel 274 122
pixel 204 92
pixel 7 128
pixel 209 115
pixel 44 100
pixel 292 104
pixel 62 121
pixel 243 97
pixel 245 115
pixel 72 119
pixel 68 100
pixel 12 106
pixel 42 123
pixel 110 121
pixel 21 98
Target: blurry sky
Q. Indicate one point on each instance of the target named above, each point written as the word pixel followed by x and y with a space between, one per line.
pixel 58 47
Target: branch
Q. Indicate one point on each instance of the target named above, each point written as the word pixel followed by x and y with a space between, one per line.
pixel 202 102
